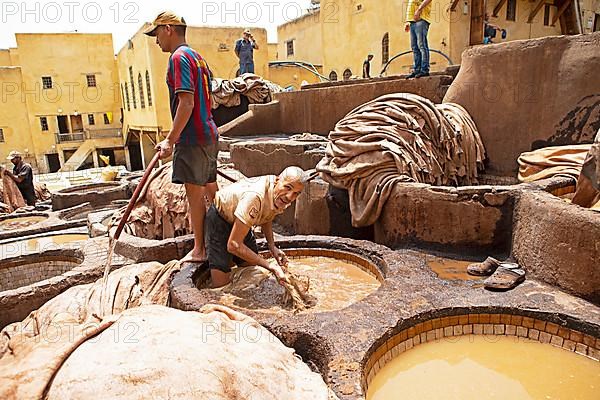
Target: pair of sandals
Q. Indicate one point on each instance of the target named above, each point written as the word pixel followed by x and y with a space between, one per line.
pixel 502 275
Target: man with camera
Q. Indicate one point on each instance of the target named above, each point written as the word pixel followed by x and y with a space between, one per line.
pixel 244 50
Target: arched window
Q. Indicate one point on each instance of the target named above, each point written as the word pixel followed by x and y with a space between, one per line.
pixel 385 49
pixel 148 93
pixel 132 87
pixel 127 97
pixel 333 76
pixel 141 86
pixel 347 74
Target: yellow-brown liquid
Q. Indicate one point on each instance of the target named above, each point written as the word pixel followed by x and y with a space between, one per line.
pixel 449 269
pixel 487 367
pixel 20 222
pixel 36 245
pixel 335 284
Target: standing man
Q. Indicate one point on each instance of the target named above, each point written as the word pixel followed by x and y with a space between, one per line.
pixel 244 50
pixel 367 67
pixel 417 22
pixel 22 174
pixel 194 133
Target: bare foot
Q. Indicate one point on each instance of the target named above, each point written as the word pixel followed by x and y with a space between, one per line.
pixel 194 257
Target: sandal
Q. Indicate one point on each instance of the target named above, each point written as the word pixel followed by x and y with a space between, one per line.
pixel 485 268
pixel 507 276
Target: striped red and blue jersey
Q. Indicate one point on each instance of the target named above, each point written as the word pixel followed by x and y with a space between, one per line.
pixel 188 72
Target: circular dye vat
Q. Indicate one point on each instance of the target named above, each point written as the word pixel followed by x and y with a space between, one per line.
pixel 40 244
pixel 334 283
pixel 487 367
pixel 11 224
pixel 29 270
pixel 450 269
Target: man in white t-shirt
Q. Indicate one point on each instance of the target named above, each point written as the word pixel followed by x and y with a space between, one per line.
pixel 239 207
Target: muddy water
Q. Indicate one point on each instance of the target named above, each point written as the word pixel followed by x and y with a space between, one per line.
pixel 15 249
pixel 20 222
pixel 487 367
pixel 449 269
pixel 334 283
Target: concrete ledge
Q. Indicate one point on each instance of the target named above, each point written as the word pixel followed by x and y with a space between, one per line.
pixel 97 194
pixel 558 243
pixel 145 250
pixel 51 224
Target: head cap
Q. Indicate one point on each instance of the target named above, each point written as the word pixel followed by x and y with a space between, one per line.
pixel 13 154
pixel 164 18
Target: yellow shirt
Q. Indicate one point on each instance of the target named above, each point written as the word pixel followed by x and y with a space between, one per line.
pixel 412 7
pixel 250 200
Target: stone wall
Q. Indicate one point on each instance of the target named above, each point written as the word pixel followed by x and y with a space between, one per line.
pixel 558 243
pixel 475 218
pixel 318 110
pixel 529 94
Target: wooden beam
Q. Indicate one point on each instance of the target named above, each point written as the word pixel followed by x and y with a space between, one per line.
pixel 453 6
pixel 537 8
pixel 560 11
pixel 498 7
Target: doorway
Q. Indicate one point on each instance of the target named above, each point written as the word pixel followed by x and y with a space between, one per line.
pixel 53 162
pixel 76 123
pixel 63 124
pixel 135 156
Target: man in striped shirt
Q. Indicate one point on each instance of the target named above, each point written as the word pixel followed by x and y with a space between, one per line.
pixel 193 134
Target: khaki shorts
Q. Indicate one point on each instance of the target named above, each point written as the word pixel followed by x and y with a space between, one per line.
pixel 195 164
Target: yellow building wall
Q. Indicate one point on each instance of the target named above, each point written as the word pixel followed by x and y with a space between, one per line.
pixel 590 9
pixel 14 119
pixel 67 58
pixel 272 51
pixel 215 44
pixel 5 58
pixel 14 56
pixel 292 76
pixel 306 34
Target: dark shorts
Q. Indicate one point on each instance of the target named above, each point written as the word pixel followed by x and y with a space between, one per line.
pixel 195 164
pixel 28 195
pixel 216 235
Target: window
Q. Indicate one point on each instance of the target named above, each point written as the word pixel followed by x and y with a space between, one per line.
pixel 511 10
pixel 547 14
pixel 290 47
pixel 385 49
pixel 148 93
pixel 347 74
pixel 1 135
pixel 141 88
pixel 91 80
pixel 44 123
pixel 91 120
pixel 106 119
pixel 127 98
pixel 132 87
pixel 333 76
pixel 47 82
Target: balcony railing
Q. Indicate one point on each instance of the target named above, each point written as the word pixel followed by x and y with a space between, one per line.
pixel 103 133
pixel 88 134
pixel 70 137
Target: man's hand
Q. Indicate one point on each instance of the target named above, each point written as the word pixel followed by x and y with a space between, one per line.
pixel 417 15
pixel 279 257
pixel 278 272
pixel 407 27
pixel 165 148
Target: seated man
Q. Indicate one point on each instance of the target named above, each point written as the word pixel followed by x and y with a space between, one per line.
pixel 237 208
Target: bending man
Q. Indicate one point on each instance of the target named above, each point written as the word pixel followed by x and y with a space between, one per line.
pixel 237 208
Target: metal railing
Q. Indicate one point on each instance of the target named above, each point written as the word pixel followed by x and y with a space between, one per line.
pixel 88 134
pixel 70 137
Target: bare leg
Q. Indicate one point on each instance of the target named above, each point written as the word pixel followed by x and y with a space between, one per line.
pixel 219 278
pixel 195 196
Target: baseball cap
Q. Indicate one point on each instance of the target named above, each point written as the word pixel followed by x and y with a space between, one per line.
pixel 13 154
pixel 164 18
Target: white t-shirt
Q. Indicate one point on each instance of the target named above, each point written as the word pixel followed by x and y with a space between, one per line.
pixel 250 200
